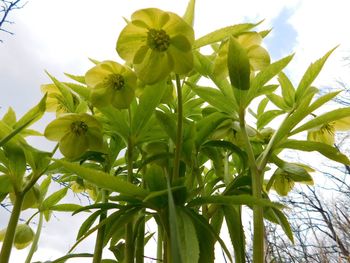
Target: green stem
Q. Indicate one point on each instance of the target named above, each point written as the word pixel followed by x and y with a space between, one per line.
pixel 179 131
pixel 140 242
pixel 100 233
pixel 11 229
pixel 256 174
pixel 159 245
pixel 36 238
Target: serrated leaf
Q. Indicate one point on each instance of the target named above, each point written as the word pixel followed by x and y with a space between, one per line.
pixel 283 222
pixel 189 14
pixel 262 106
pixel 53 199
pixel 104 180
pixel 65 207
pixel 278 101
pixel 238 66
pixel 288 91
pixel 324 149
pixel 323 119
pixel 149 100
pixel 44 186
pixel 10 117
pixel 16 165
pixel 223 33
pixel 267 117
pixel 86 225
pixel 311 74
pixel 5 184
pixel 80 79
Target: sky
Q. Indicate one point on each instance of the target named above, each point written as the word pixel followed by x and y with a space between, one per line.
pixel 60 35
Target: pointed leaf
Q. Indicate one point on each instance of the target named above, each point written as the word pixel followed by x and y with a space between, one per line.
pixel 288 91
pixel 53 199
pixel 65 207
pixel 189 14
pixel 267 117
pixel 104 180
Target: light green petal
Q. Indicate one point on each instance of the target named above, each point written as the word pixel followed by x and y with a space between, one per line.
pixel 58 128
pixel 155 67
pixel 181 43
pixel 100 96
pixel 177 26
pixel 122 99
pixel 130 40
pixel 153 17
pixel 140 54
pixel 259 58
pixel 321 136
pixel 342 124
pixel 220 64
pixel 73 146
pixel 249 39
pixel 96 75
pixel 112 67
pixel 95 139
pixel 90 121
pixel 183 61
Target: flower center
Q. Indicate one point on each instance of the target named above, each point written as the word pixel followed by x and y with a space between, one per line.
pixel 116 81
pixel 79 127
pixel 158 40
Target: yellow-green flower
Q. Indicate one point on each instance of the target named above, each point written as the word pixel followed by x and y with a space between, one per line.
pixel 326 132
pixel 111 83
pixel 259 58
pixel 23 237
pixel 76 133
pixel 157 43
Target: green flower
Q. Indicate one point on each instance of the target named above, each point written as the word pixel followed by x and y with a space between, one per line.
pixel 326 132
pixel 259 58
pixel 157 43
pixel 76 134
pixel 111 83
pixel 23 237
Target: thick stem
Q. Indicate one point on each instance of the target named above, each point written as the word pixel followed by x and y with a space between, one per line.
pixel 129 242
pixel 160 245
pixel 256 174
pixel 36 239
pixel 140 242
pixel 178 146
pixel 11 229
pixel 100 233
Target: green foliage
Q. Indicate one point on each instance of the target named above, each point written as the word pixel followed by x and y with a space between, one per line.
pixel 148 143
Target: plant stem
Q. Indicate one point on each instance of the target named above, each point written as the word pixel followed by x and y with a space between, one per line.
pixel 140 242
pixel 100 233
pixel 11 229
pixel 178 146
pixel 36 239
pixel 159 244
pixel 258 219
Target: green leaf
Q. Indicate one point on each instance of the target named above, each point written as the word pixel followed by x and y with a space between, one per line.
pixel 267 117
pixel 278 101
pixel 16 165
pixel 149 100
pixel 323 119
pixel 5 184
pixel 288 91
pixel 215 98
pixel 262 106
pixel 44 186
pixel 267 74
pixel 9 117
pixel 238 65
pixel 188 241
pixel 311 74
pixel 283 222
pixel 53 199
pixel 65 207
pixel 233 200
pixel 104 180
pixel 66 94
pixel 322 100
pixel 202 64
pixel 80 79
pixel 234 223
pixel 207 126
pixel 168 123
pixel 296 172
pixel 324 149
pixel 32 115
pixel 189 14
pixel 86 225
pixel 223 33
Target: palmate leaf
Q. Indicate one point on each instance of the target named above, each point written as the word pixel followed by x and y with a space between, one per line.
pixel 104 180
pixel 311 74
pixel 324 149
pixel 223 33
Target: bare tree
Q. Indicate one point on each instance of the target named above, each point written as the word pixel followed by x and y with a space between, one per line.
pixel 5 8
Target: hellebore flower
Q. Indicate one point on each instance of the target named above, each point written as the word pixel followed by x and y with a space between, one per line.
pixel 76 133
pixel 111 83
pixel 326 132
pixel 259 58
pixel 156 43
pixel 23 237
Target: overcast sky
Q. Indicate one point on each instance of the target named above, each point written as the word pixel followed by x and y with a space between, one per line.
pixel 60 35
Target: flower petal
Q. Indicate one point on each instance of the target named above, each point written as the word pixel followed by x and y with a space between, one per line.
pixel 72 146
pixel 95 140
pixel 95 75
pixel 183 61
pixel 249 39
pixel 176 25
pixel 259 58
pixel 153 17
pixel 342 124
pixel 155 67
pixel 181 43
pixel 58 128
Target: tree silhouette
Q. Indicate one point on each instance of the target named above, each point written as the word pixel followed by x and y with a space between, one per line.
pixel 5 8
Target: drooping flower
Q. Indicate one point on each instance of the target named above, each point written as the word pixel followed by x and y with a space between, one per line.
pixel 156 43
pixel 259 58
pixel 112 84
pixel 23 237
pixel 326 132
pixel 76 133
